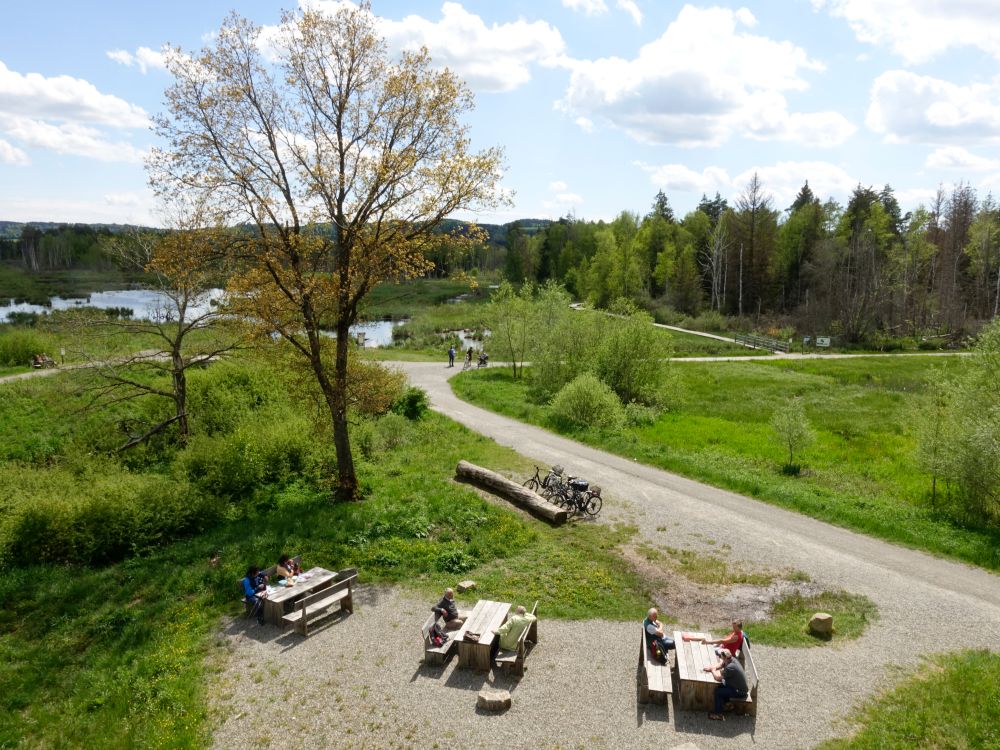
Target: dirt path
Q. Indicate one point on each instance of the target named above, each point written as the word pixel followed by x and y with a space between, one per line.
pixel 926 604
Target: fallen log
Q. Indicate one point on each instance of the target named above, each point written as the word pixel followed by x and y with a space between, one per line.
pixel 512 491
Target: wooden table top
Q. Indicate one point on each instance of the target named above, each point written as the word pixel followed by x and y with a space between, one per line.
pixel 694 656
pixel 486 616
pixel 316 577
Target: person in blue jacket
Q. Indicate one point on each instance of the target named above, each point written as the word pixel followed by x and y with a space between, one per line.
pixel 255 589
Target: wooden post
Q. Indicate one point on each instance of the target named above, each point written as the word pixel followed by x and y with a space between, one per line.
pixel 512 491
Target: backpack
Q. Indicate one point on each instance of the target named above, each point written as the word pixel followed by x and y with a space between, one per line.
pixel 437 636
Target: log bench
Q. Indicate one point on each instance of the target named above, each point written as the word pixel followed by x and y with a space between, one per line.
pixel 514 660
pixel 655 683
pixel 319 604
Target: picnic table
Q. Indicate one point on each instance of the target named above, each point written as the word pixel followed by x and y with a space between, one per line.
pixel 278 596
pixel 485 617
pixel 697 687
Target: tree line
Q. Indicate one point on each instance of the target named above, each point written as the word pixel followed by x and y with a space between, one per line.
pixel 859 271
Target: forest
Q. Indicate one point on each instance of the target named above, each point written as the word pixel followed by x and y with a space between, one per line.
pixel 859 272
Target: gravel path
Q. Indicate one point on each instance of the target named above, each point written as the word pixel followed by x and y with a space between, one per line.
pixel 364 686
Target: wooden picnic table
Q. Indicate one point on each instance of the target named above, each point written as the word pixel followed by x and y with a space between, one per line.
pixel 485 617
pixel 279 596
pixel 697 687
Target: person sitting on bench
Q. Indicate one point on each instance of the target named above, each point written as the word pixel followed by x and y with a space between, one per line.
pixel 287 567
pixel 733 642
pixel 255 589
pixel 655 634
pixel 448 611
pixel 733 682
pixel 510 632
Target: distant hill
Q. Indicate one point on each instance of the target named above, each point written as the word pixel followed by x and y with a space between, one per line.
pixel 11 230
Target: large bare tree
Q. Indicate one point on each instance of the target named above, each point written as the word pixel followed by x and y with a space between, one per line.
pixel 342 160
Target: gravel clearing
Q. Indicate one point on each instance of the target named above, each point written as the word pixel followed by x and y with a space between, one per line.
pixel 361 682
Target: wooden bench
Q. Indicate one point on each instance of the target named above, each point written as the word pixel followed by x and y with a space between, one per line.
pixel 319 604
pixel 514 660
pixel 655 683
pixel 748 705
pixel 436 655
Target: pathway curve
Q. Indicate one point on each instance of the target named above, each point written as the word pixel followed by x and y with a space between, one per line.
pixel 926 604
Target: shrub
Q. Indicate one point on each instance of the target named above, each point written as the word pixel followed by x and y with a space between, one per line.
pixel 637 415
pixel 99 516
pixel 413 404
pixel 587 402
pixel 18 346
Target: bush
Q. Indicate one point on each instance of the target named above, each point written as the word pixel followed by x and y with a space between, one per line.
pixel 100 516
pixel 588 402
pixel 637 415
pixel 712 321
pixel 413 404
pixel 18 346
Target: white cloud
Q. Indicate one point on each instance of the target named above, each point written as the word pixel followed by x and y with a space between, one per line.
pixel 585 124
pixel 103 211
pixel 958 158
pixel 587 7
pixel 490 58
pixel 919 30
pixel 144 58
pixel 632 9
pixel 68 138
pixel 10 154
pixel 782 180
pixel 910 108
pixel 569 198
pixel 746 18
pixel 64 97
pixel 122 199
pixel 681 178
pixel 702 82
pixel 558 186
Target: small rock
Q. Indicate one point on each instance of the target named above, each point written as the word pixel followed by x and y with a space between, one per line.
pixel 821 624
pixel 491 699
pixel 466 586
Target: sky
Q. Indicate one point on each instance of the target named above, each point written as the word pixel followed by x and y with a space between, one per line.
pixel 598 104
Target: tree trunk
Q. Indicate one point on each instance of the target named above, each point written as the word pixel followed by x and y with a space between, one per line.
pixel 180 394
pixel 347 481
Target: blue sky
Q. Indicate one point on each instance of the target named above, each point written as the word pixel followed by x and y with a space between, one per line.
pixel 598 103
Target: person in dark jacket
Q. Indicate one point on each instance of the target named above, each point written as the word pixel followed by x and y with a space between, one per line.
pixel 732 682
pixel 448 611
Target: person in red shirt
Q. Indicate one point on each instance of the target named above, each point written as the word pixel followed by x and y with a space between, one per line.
pixel 732 642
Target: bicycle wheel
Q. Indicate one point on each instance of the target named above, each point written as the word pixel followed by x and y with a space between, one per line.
pixel 532 484
pixel 593 506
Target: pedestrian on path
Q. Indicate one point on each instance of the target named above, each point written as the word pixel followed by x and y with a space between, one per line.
pixel 451 356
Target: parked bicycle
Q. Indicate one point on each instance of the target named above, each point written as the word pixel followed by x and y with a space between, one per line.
pixel 545 486
pixel 578 496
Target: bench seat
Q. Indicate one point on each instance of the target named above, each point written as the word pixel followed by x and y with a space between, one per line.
pixel 747 705
pixel 439 654
pixel 655 681
pixel 320 603
pixel 514 660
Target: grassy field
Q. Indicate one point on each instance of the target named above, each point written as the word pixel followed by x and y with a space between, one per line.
pixel 921 711
pixel 115 655
pixel 860 473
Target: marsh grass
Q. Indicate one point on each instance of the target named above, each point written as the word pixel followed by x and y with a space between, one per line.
pixel 950 702
pixel 861 472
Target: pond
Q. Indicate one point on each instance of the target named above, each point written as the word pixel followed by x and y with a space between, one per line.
pixel 145 304
pixel 148 304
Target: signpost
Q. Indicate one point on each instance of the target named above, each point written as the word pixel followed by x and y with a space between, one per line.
pixel 823 341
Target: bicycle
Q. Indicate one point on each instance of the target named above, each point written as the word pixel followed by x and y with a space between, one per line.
pixel 578 496
pixel 545 486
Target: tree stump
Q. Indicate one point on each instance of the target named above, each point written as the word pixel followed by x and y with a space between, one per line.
pixel 821 625
pixel 491 699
